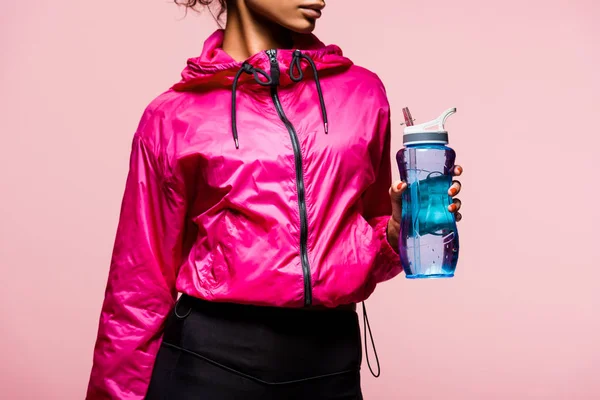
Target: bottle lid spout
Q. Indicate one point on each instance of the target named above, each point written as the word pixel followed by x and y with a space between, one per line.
pixel 436 125
pixel 428 132
pixel 445 116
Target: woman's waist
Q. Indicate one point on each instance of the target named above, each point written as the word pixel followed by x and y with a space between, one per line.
pixel 312 287
pixel 332 267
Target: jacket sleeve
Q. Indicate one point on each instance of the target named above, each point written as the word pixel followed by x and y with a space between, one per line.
pixel 141 282
pixel 377 207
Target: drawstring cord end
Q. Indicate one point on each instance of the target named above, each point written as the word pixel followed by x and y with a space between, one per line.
pixel 295 65
pixel 237 143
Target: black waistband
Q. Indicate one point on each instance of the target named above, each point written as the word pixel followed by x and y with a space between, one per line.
pixel 188 303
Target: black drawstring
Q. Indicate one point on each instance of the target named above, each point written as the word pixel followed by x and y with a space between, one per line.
pixel 297 57
pixel 269 81
pixel 233 104
pixel 249 69
pixel 367 326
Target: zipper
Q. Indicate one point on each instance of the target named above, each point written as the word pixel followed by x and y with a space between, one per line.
pixel 275 73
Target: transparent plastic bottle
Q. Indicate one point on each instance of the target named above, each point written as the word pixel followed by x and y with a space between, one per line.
pixel 428 242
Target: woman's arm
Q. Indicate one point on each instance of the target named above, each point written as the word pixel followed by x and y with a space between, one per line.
pixel 378 207
pixel 141 282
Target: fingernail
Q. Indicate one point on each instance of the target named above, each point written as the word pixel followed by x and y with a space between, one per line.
pixel 452 207
pixel 453 191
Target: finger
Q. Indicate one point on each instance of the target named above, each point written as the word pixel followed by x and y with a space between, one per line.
pixel 398 187
pixel 458 170
pixel 455 188
pixel 458 216
pixel 396 191
pixel 455 206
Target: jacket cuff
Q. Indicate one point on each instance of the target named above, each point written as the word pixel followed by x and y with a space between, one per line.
pixel 388 259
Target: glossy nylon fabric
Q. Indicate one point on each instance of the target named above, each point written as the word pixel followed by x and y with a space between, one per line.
pixel 201 217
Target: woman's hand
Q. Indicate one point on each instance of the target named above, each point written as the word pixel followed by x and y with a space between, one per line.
pixel 398 187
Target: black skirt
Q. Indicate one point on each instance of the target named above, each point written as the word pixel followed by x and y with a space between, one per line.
pixel 221 351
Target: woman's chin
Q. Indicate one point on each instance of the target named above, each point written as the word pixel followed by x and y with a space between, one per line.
pixel 302 26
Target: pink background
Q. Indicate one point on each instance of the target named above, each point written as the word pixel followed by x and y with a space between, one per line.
pixel 520 321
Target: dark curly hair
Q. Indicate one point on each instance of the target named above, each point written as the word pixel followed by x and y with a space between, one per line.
pixel 194 4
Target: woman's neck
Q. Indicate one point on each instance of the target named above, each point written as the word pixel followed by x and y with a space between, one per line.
pixel 247 33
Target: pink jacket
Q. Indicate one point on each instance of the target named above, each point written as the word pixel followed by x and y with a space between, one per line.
pixel 264 182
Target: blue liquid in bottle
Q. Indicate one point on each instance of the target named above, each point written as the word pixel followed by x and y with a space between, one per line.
pixel 428 242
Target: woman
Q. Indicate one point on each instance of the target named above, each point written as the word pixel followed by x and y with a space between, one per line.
pixel 259 188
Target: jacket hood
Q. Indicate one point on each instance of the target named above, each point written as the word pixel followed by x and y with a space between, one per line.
pixel 214 65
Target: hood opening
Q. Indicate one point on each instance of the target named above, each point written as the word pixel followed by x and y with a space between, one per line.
pixel 215 68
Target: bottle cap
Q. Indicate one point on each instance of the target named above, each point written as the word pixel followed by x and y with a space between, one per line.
pixel 432 132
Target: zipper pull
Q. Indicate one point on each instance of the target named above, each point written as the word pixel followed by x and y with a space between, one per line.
pixel 272 53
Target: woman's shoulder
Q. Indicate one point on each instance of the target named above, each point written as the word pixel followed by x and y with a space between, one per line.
pixel 364 87
pixel 370 77
pixel 364 81
pixel 160 116
pixel 161 107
